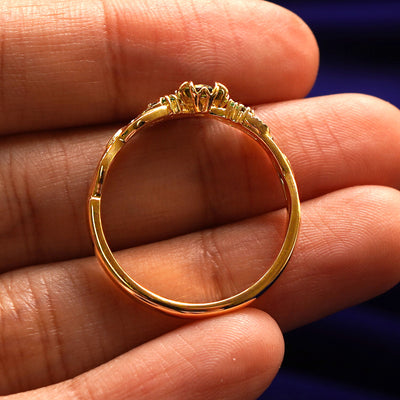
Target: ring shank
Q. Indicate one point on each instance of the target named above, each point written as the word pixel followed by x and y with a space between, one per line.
pixel 259 132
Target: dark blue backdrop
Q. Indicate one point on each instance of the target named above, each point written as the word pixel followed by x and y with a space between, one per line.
pixel 354 354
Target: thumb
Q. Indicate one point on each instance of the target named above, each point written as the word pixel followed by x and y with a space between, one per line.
pixel 233 356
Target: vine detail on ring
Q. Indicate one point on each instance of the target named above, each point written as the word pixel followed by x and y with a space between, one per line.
pixel 200 98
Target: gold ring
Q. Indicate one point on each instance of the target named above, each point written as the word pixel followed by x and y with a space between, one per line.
pixel 204 101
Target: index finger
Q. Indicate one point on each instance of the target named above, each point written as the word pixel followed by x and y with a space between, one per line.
pixel 92 61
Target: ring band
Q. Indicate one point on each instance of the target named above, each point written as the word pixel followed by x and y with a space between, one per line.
pixel 202 101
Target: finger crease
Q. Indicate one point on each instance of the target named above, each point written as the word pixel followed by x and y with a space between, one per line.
pixel 9 311
pixel 220 272
pixel 114 58
pixel 43 331
pixel 21 211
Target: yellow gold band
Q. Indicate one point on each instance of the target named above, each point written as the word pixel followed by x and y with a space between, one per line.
pixel 214 102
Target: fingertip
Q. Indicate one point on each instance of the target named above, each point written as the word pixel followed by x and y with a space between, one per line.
pixel 253 356
pixel 305 49
pixel 293 47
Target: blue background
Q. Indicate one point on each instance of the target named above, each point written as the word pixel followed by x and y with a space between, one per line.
pixel 354 354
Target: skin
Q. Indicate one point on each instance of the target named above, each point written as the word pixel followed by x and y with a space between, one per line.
pixel 71 73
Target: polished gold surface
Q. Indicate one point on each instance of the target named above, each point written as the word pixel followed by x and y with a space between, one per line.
pixel 202 101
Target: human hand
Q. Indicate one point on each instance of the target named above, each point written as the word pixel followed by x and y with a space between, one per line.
pixel 70 64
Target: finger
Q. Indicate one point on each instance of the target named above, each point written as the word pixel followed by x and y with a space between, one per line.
pixel 65 315
pixel 229 357
pixel 332 142
pixel 74 63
